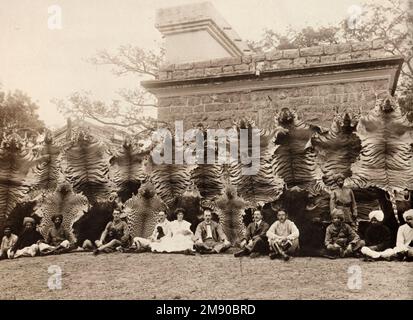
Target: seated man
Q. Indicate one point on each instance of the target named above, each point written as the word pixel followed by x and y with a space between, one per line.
pixel 255 241
pixel 162 229
pixel 27 244
pixel 341 240
pixel 8 241
pixel 283 237
pixel 404 240
pixel 377 236
pixel 115 236
pixel 209 236
pixel 58 239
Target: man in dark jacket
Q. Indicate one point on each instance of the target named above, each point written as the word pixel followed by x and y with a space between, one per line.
pixel 255 242
pixel 377 236
pixel 27 245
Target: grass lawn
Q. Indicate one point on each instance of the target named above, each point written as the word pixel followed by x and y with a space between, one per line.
pixel 173 276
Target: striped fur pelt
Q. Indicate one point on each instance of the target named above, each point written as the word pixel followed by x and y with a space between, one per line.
pixel 258 185
pixel 86 167
pixel 294 158
pixel 337 149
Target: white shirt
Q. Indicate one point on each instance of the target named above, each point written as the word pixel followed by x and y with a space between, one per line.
pixel 279 230
pixel 404 236
pixel 209 231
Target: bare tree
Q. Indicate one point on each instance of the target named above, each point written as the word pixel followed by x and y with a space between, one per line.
pixel 127 111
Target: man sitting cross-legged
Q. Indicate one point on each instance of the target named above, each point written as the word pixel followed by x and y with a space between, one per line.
pixel 115 236
pixel 162 229
pixel 283 237
pixel 404 241
pixel 209 236
pixel 341 240
pixel 7 242
pixel 377 236
pixel 255 242
pixel 27 244
pixel 58 239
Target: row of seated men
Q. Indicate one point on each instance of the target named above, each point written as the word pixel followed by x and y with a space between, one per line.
pixel 280 240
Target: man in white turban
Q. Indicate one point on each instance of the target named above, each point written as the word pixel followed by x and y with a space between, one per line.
pixel 404 241
pixel 377 236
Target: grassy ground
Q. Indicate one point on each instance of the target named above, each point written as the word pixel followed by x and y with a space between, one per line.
pixel 162 276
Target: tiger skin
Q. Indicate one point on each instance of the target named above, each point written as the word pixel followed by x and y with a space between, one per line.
pixel 44 177
pixel 87 167
pixel 386 157
pixel 15 163
pixel 294 159
pixel 262 186
pixel 337 148
pixel 126 169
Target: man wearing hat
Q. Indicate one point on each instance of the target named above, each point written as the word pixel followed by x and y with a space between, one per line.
pixel 58 239
pixel 341 240
pixel 27 244
pixel 343 198
pixel 377 236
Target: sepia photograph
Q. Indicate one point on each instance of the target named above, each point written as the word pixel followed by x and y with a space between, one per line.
pixel 224 152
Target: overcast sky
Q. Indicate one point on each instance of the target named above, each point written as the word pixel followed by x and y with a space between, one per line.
pixel 49 64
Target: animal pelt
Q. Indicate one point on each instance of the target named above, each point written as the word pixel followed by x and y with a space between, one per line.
pixel 142 210
pixel 230 209
pixel 294 157
pixel 62 201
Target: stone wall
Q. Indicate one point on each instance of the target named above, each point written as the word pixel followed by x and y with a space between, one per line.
pixel 278 59
pixel 315 81
pixel 316 104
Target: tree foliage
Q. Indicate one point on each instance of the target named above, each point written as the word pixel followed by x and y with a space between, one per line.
pixel 18 113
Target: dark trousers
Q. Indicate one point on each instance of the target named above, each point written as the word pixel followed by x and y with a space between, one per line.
pixel 259 245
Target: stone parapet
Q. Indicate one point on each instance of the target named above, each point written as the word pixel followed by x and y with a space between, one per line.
pixel 276 60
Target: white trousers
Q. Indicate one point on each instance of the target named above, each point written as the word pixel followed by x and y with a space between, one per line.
pixel 25 252
pixel 44 247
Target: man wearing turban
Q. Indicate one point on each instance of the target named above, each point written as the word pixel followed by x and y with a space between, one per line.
pixel 341 240
pixel 58 239
pixel 343 198
pixel 404 242
pixel 27 244
pixel 377 236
